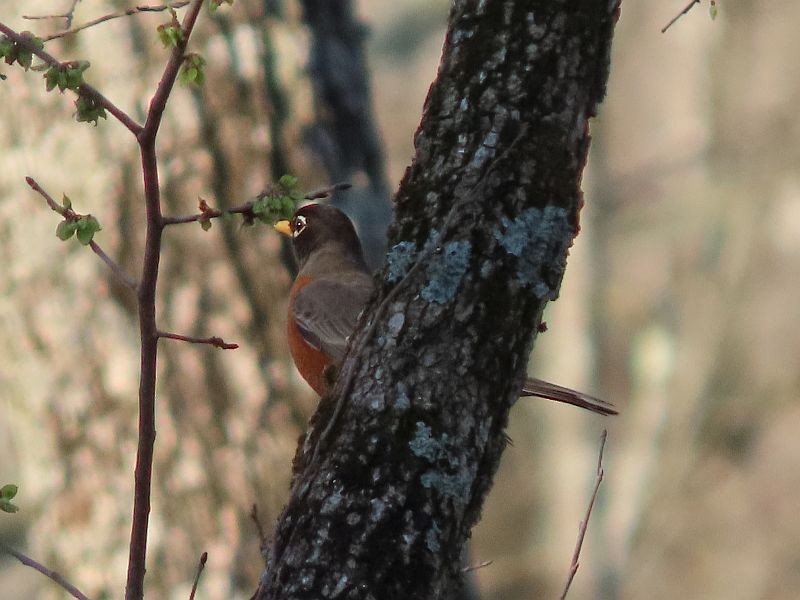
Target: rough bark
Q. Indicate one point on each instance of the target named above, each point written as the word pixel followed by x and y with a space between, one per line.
pixel 400 457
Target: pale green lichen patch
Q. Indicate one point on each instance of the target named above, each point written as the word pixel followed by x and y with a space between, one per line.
pixel 539 239
pixel 446 271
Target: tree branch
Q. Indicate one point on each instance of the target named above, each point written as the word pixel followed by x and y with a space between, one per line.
pixel 68 213
pixel 674 19
pixel 111 16
pixel 148 330
pixel 85 88
pixel 56 577
pixel 69 15
pixel 247 208
pixel 200 566
pixel 212 341
pixel 573 569
pixel 484 218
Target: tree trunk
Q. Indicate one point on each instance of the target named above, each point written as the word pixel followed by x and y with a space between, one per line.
pixel 401 455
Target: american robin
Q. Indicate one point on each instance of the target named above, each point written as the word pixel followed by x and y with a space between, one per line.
pixel 333 286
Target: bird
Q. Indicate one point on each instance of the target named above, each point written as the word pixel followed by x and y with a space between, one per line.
pixel 332 287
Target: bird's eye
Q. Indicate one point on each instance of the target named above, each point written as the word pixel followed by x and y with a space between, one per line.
pixel 299 225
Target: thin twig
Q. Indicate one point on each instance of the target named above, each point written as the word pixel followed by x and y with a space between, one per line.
pixel 685 10
pixel 573 568
pixel 476 567
pixel 210 213
pixel 117 15
pixel 200 566
pixel 261 535
pixel 69 15
pixel 325 192
pixel 68 213
pixel 86 90
pixel 117 270
pixel 217 342
pixel 56 577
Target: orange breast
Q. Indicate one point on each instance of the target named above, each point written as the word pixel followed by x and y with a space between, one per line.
pixel 309 361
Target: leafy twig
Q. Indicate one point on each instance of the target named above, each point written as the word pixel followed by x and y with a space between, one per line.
pixel 56 577
pixel 86 90
pixel 246 209
pixel 573 568
pixel 215 341
pixel 116 269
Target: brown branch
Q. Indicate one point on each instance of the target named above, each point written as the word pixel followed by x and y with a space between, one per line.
pixel 215 341
pixel 573 569
pixel 259 527
pixel 68 213
pixel 476 567
pixel 117 270
pixel 200 566
pixel 69 15
pixel 327 191
pixel 56 577
pixel 685 10
pixel 247 208
pixel 210 213
pixel 148 331
pixel 109 17
pixel 85 89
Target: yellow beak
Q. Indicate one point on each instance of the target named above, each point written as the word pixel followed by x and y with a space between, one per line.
pixel 283 227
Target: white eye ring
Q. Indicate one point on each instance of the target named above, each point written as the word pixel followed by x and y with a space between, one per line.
pixel 299 225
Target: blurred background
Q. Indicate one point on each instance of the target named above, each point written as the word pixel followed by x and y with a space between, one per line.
pixel 680 303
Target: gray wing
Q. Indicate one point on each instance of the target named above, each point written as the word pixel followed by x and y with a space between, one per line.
pixel 327 310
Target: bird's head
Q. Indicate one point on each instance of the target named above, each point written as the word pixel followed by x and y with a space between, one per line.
pixel 318 229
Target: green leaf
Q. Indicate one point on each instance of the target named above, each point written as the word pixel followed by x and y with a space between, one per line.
pixel 66 202
pixel 7 506
pixel 6 47
pixel 87 226
pixel 712 10
pixel 213 5
pixel 88 111
pixel 192 69
pixel 288 182
pixel 66 229
pixel 205 224
pixel 8 491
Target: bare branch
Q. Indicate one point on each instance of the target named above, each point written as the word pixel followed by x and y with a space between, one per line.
pixel 262 537
pixel 573 569
pixel 325 192
pixel 476 567
pixel 118 271
pixel 68 213
pixel 85 89
pixel 69 15
pixel 56 577
pixel 200 566
pixel 685 10
pixel 117 15
pixel 209 213
pixel 217 342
